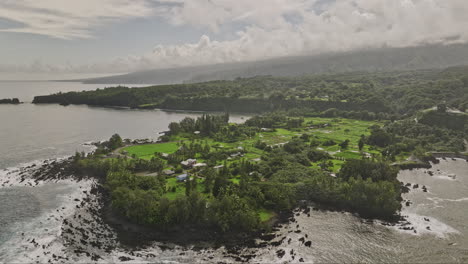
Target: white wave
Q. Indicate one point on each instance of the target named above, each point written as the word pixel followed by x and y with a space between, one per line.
pixel 445 177
pixel 436 200
pixel 421 224
pixel 20 174
pixel 11 177
pixel 40 238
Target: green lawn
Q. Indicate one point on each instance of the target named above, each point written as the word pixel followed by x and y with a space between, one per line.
pixel 235 180
pixel 265 215
pixel 337 129
pixel 147 151
pixel 180 188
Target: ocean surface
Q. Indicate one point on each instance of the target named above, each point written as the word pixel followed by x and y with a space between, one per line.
pixel 30 134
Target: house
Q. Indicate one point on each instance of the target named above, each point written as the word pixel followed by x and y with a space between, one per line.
pixel 188 163
pixel 182 177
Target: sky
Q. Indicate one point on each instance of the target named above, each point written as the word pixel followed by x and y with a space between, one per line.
pixel 63 37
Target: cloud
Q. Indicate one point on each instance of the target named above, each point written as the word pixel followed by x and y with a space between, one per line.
pixel 265 28
pixel 294 27
pixel 69 19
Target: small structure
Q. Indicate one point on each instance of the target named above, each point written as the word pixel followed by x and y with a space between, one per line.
pixel 182 177
pixel 196 132
pixel 188 163
pixel 218 167
pixel 238 154
pixel 199 165
pixel 164 155
pixel 168 172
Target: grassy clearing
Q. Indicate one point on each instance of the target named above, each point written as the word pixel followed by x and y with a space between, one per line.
pixel 336 129
pixel 235 180
pixel 265 215
pixel 318 129
pixel 147 151
pixel 180 188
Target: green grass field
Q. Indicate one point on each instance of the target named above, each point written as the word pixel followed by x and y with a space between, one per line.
pixel 147 151
pixel 265 215
pixel 180 188
pixel 337 129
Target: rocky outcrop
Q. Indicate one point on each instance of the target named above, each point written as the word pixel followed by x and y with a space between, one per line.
pixel 10 101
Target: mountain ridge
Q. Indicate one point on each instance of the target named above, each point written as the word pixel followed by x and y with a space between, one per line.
pixel 368 60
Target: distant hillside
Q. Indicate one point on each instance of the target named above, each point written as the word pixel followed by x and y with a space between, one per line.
pixel 385 59
pixel 396 92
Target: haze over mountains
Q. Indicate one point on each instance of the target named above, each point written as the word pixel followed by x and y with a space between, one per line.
pixel 383 59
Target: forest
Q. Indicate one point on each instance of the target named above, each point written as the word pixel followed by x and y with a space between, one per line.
pixel 385 95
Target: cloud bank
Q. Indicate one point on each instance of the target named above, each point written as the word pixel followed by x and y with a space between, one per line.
pixel 68 19
pixel 265 28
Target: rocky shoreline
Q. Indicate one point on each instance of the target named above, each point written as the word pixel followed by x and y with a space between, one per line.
pixel 94 232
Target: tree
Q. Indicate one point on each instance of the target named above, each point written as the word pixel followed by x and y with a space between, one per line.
pixel 294 146
pixel 361 142
pixel 187 124
pixel 188 186
pixel 317 155
pixel 114 142
pixel 210 175
pixel 305 137
pixel 344 144
pixel 232 212
pixel 442 108
pixel 220 183
pixel 174 127
pixel 367 169
pixel 379 137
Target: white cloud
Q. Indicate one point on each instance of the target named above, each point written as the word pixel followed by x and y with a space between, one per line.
pixel 68 19
pixel 293 27
pixel 268 28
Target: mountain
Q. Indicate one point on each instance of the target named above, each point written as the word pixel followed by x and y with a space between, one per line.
pixel 369 60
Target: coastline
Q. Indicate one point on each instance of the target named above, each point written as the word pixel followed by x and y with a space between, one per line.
pixel 93 231
pixel 94 223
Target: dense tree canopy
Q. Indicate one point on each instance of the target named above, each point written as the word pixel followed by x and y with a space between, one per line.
pixel 358 95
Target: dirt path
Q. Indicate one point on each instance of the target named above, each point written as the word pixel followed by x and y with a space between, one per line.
pixel 116 152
